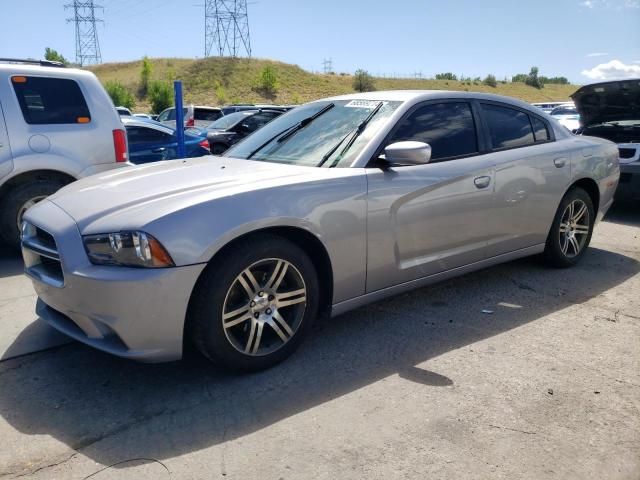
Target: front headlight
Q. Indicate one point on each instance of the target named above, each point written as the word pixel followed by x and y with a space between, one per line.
pixel 129 249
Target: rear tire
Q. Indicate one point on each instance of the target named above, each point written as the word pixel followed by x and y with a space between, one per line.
pixel 16 202
pixel 252 321
pixel 571 230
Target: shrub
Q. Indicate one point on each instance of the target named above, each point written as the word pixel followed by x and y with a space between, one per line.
pixel 267 81
pixel 145 76
pixel 446 76
pixel 119 94
pixel 160 95
pixel 362 81
pixel 532 79
pixel 221 94
pixel 490 80
pixel 54 56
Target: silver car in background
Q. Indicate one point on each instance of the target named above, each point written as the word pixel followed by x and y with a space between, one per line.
pixel 335 204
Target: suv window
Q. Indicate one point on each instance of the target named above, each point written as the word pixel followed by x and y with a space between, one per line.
pixel 137 135
pixel 50 100
pixel 258 120
pixel 447 127
pixel 170 114
pixel 508 127
pixel 539 130
pixel 206 114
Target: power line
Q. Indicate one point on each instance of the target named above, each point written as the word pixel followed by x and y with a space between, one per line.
pixel 87 44
pixel 327 66
pixel 226 28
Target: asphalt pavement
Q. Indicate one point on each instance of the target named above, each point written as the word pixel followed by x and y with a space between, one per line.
pixel 517 371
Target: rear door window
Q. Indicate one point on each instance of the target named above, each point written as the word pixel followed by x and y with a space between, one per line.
pixel 508 127
pixel 46 101
pixel 540 131
pixel 206 114
pixel 137 135
pixel 447 127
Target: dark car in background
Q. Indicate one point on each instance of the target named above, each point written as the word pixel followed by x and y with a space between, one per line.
pixel 150 141
pixel 233 127
pixel 611 110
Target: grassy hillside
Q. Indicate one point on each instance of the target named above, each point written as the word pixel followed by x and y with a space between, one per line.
pixel 216 81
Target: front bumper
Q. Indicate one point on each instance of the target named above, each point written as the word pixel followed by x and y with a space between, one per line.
pixel 134 313
pixel 629 185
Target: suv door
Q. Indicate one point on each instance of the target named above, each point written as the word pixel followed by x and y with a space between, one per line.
pixel 6 159
pixel 430 218
pixel 532 174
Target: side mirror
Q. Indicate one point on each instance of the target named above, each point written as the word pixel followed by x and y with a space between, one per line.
pixel 407 153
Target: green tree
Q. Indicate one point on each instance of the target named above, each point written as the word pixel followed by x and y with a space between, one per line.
pixel 533 80
pixel 54 56
pixel 446 76
pixel 490 80
pixel 145 76
pixel 267 81
pixel 362 81
pixel 120 95
pixel 160 95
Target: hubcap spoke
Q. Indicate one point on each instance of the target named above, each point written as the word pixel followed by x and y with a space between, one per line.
pixel 574 245
pixel 235 317
pixel 580 213
pixel 564 227
pixel 279 324
pixel 279 271
pixel 581 229
pixel 248 282
pixel 291 298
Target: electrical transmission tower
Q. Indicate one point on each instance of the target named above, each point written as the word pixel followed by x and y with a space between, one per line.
pixel 327 66
pixel 87 45
pixel 226 28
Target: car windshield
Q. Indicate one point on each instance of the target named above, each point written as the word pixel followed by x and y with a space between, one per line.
pixel 309 144
pixel 228 121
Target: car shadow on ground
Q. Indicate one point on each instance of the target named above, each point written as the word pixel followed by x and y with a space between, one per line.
pixel 112 410
pixel 10 262
pixel 624 213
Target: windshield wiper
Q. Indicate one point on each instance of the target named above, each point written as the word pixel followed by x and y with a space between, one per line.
pixel 289 131
pixel 354 134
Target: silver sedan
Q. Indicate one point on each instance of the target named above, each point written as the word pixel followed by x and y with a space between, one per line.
pixel 338 203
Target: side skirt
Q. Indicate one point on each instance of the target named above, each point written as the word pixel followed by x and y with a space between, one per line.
pixel 342 307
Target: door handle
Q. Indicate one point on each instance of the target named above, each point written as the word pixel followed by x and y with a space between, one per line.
pixel 560 162
pixel 482 182
pixel 158 150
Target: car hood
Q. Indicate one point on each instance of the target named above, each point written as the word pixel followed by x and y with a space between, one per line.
pixel 608 101
pixel 136 196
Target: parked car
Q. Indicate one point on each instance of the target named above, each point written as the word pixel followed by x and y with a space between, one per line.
pixel 232 128
pixel 56 125
pixel 193 116
pixel 567 115
pixel 124 111
pixel 150 141
pixel 611 110
pixel 546 107
pixel 333 205
pixel 144 115
pixel 240 107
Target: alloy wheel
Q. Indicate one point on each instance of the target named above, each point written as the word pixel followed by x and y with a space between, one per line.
pixel 26 206
pixel 574 228
pixel 264 307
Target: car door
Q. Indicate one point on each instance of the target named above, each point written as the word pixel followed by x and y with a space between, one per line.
pixel 430 218
pixel 149 145
pixel 532 173
pixel 6 159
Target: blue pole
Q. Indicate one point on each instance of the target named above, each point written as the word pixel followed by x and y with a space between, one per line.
pixel 177 88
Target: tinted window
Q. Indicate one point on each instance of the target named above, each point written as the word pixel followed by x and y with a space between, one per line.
pixel 508 127
pixel 258 120
pixel 539 130
pixel 50 100
pixel 170 114
pixel 206 114
pixel 448 127
pixel 146 135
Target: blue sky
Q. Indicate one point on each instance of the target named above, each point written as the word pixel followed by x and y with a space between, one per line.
pixel 584 40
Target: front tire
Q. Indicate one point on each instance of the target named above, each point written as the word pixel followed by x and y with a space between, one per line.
pixel 17 201
pixel 571 230
pixel 253 306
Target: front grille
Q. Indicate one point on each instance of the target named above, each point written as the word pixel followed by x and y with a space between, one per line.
pixel 627 152
pixel 41 257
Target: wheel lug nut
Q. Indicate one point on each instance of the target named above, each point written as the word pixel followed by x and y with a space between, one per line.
pixel 252 304
pixel 268 311
pixel 261 294
pixel 256 315
pixel 271 297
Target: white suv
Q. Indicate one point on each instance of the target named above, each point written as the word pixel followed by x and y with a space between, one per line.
pixel 56 125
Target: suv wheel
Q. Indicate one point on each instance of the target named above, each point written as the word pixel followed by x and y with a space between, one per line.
pixel 17 201
pixel 252 308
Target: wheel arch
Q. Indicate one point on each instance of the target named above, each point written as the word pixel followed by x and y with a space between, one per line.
pixel 590 186
pixel 34 175
pixel 305 240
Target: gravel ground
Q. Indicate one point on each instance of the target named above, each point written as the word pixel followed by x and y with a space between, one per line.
pixel 424 385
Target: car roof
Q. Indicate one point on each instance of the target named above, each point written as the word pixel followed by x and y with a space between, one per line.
pixel 422 95
pixel 145 122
